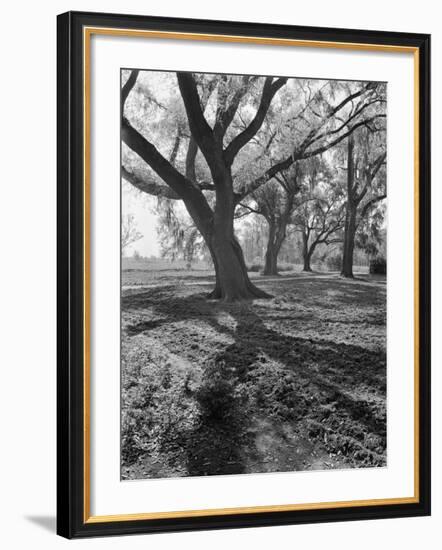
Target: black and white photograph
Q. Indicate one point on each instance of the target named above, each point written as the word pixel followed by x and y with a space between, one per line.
pixel 253 274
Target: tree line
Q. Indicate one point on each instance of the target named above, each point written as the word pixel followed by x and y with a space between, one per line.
pixel 305 156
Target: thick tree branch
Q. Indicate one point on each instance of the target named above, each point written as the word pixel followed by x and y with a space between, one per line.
pixel 225 114
pixel 188 191
pixel 344 123
pixel 369 86
pixel 268 93
pixel 192 149
pixel 377 164
pixel 147 185
pixel 178 184
pixel 369 204
pixel 371 173
pixel 150 154
pixel 329 145
pixel 129 84
pixel 313 134
pixel 198 125
pixel 264 178
pixel 298 154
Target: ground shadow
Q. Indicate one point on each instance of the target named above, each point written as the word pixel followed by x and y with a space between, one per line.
pixel 48 523
pixel 311 382
pixel 214 445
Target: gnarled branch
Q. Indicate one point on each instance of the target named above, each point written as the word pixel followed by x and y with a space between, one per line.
pixel 198 125
pixel 148 185
pixel 268 93
pixel 128 85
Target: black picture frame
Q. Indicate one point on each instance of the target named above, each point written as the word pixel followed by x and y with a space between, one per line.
pixel 71 498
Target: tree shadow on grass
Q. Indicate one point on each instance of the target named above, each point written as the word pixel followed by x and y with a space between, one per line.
pixel 316 360
pixel 314 376
pixel 223 439
pixel 215 444
pixel 354 362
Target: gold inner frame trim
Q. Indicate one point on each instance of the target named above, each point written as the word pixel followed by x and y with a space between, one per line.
pixel 87 33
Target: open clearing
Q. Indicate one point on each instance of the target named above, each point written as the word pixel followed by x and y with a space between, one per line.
pixel 297 382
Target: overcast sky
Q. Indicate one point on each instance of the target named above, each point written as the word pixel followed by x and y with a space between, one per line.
pixel 141 207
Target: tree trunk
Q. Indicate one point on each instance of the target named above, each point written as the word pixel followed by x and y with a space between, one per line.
pixel 349 241
pixel 271 256
pixel 271 260
pixel 307 260
pixel 232 280
pixel 350 214
pixel 277 236
pixel 306 253
pixel 214 294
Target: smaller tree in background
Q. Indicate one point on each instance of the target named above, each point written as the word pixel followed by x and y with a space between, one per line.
pixel 129 232
pixel 365 186
pixel 275 201
pixel 371 237
pixel 318 220
pixel 253 237
pixel 318 215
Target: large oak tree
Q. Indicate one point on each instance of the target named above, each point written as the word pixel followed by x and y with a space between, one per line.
pixel 238 108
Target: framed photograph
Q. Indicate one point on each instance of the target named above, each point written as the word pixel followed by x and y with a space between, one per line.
pixel 232 350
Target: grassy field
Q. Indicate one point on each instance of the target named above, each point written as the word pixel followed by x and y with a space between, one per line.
pixel 151 272
pixel 297 382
